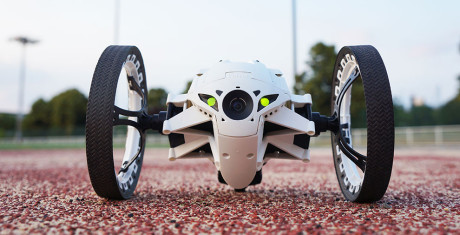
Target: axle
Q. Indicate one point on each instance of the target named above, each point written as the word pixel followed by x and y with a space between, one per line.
pixel 154 122
pixel 324 123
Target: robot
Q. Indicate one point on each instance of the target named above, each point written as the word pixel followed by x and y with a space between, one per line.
pixel 241 115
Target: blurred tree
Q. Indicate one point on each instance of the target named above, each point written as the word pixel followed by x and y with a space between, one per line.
pixel 401 115
pixel 449 113
pixel 157 100
pixel 39 116
pixel 358 105
pixel 318 83
pixel 7 123
pixel 422 116
pixel 68 110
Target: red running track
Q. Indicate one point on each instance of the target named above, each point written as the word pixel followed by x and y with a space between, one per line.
pixel 48 191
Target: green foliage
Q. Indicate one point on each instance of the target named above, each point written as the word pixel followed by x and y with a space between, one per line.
pixel 358 105
pixel 64 113
pixel 157 100
pixel 39 116
pixel 7 123
pixel 319 81
pixel 449 113
pixel 68 110
pixel 422 116
pixel 402 117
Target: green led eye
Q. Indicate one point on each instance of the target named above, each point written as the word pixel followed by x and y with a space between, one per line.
pixel 264 101
pixel 211 101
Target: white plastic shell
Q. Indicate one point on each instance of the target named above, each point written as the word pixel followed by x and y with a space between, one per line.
pixel 238 147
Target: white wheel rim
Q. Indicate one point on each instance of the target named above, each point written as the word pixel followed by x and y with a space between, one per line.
pixel 352 179
pixel 133 136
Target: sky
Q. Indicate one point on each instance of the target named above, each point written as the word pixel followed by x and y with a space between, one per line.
pixel 418 40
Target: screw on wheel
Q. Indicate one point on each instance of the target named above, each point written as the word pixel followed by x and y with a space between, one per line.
pixel 362 177
pixel 103 114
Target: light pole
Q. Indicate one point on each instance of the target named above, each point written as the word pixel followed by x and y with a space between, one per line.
pixel 294 38
pixel 116 30
pixel 22 76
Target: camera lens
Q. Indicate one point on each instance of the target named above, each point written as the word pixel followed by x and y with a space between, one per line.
pixel 238 105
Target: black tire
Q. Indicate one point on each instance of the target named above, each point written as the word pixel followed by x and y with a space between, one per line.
pixel 102 115
pixel 376 166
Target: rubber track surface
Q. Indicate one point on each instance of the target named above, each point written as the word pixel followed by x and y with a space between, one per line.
pixel 49 191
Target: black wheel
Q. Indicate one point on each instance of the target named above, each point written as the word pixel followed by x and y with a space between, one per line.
pixel 103 114
pixel 363 177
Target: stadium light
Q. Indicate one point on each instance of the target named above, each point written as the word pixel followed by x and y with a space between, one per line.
pixel 294 38
pixel 22 76
pixel 116 30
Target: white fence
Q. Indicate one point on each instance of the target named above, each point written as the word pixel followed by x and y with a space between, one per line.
pixel 404 136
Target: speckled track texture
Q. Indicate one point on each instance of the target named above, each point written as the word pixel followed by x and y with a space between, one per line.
pixel 49 191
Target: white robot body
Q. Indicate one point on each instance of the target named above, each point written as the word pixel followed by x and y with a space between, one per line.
pixel 239 116
pixel 238 99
